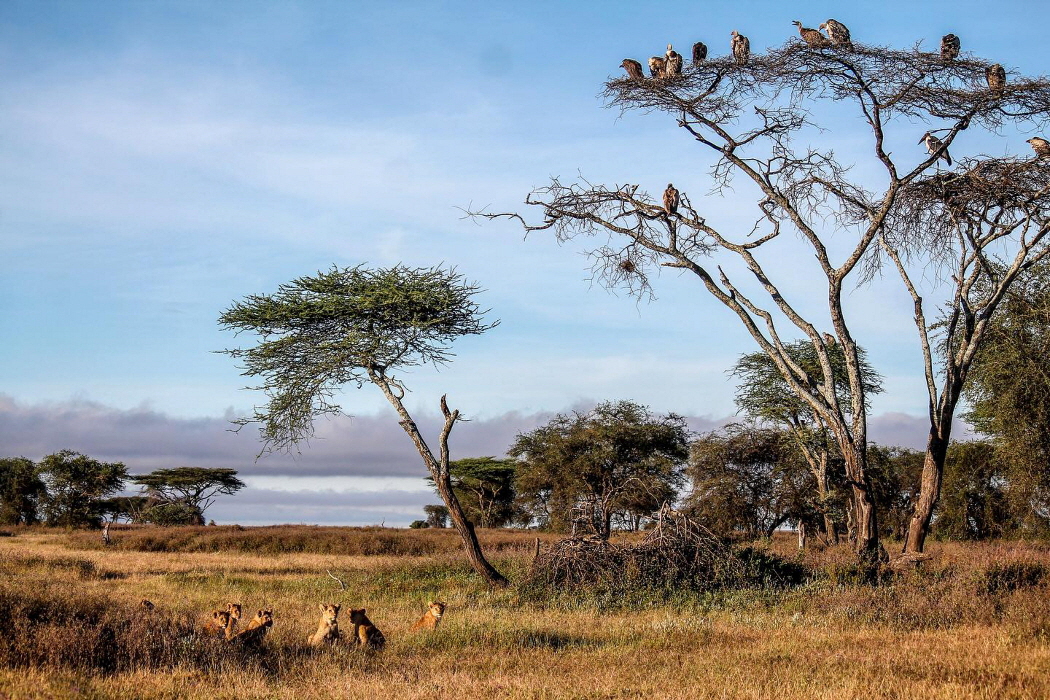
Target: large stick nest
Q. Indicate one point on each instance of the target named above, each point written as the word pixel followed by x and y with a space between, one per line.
pixel 678 554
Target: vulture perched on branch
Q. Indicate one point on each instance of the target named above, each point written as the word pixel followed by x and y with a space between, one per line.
pixel 671 200
pixel 838 34
pixel 672 62
pixel 633 68
pixel 699 53
pixel 1041 146
pixel 812 37
pixel 996 76
pixel 950 47
pixel 657 65
pixel 741 47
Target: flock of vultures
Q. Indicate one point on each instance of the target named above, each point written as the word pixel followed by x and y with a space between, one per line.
pixel 838 36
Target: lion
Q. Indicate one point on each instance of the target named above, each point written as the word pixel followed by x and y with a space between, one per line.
pixel 253 634
pixel 328 627
pixel 235 615
pixel 365 633
pixel 431 617
pixel 218 625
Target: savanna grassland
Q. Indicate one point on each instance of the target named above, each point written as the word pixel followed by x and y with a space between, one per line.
pixel 972 622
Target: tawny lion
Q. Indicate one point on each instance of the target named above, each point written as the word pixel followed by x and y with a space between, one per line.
pixel 328 627
pixel 218 625
pixel 431 617
pixel 235 615
pixel 365 633
pixel 253 634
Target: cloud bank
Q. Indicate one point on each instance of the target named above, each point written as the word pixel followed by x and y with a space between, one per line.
pixel 356 470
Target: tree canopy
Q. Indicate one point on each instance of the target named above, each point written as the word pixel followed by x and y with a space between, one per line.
pixel 21 491
pixel 618 458
pixel 485 488
pixel 186 490
pixel 77 486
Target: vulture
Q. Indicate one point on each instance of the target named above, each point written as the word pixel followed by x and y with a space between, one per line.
pixel 1040 145
pixel 934 144
pixel 949 47
pixel 741 47
pixel 633 68
pixel 996 77
pixel 811 36
pixel 699 53
pixel 657 66
pixel 673 62
pixel 671 200
pixel 837 33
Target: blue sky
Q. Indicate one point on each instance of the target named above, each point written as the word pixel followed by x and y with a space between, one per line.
pixel 160 160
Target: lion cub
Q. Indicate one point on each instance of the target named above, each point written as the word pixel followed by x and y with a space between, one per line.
pixel 328 627
pixel 365 633
pixel 235 615
pixel 431 617
pixel 218 625
pixel 253 634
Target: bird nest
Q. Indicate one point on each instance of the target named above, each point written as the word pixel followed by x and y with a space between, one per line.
pixel 677 554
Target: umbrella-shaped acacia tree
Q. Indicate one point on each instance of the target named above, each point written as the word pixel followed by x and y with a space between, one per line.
pixel 352 326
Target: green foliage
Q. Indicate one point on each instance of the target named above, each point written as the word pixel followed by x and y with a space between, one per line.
pixel 129 508
pixel 762 392
pixel 437 516
pixel 1008 388
pixel 341 327
pixel 418 524
pixel 974 496
pixel 485 489
pixel 894 473
pixel 170 514
pixel 21 491
pixel 618 459
pixel 747 480
pixel 77 486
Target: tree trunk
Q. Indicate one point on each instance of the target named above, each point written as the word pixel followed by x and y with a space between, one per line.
pixel 830 531
pixel 439 470
pixel 864 517
pixel 466 531
pixel 929 492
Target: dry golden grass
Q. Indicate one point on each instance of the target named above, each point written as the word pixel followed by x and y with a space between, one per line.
pixel 934 633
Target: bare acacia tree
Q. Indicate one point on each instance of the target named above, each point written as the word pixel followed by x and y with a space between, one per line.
pixel 748 117
pixel 989 221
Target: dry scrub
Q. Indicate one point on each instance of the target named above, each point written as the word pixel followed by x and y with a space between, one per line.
pixel 970 623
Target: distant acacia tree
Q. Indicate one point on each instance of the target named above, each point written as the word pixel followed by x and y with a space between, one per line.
pixel 763 394
pixel 77 487
pixel 21 491
pixel 485 489
pixel 617 458
pixel 762 122
pixel 352 326
pixel 127 508
pixel 437 516
pixel 747 480
pixel 179 496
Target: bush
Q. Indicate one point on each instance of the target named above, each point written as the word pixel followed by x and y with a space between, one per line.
pixel 1010 576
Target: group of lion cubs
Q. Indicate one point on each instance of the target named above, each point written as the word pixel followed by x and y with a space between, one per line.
pixel 223 623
